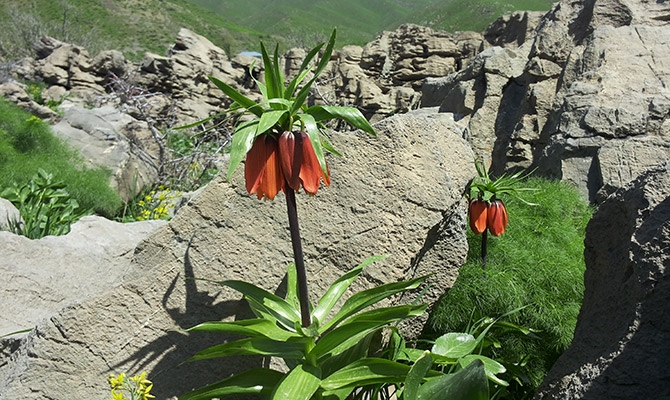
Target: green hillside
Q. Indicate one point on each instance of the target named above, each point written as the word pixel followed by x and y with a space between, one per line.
pixel 359 21
pixel 135 26
pixel 132 26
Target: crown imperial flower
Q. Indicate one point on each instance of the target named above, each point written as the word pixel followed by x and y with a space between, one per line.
pixel 262 171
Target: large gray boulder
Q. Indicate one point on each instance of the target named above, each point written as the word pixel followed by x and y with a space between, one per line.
pixel 108 138
pixel 620 346
pixel 398 194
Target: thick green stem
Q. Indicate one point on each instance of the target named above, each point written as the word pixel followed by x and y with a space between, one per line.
pixel 298 257
pixel 484 238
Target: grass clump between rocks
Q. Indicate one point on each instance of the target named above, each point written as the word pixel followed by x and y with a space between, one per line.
pixel 537 266
pixel 27 145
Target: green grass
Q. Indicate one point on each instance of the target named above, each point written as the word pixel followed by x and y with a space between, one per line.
pixel 538 262
pixel 27 144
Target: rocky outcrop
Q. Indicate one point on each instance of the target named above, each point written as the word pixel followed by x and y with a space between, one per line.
pixel 113 140
pixel 384 77
pixel 9 215
pixel 593 87
pixel 620 346
pixel 375 205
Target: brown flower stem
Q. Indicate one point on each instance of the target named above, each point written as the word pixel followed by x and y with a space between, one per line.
pixel 484 238
pixel 298 257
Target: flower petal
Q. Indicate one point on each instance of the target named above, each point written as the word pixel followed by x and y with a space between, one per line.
pixel 291 156
pixel 497 218
pixel 310 170
pixel 262 170
pixel 478 215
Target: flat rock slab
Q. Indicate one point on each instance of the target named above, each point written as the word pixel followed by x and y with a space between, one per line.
pixel 40 277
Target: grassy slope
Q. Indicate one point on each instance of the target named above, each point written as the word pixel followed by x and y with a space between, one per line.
pixel 135 26
pixel 132 26
pixel 358 22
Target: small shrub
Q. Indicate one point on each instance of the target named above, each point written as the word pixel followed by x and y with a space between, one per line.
pixel 536 265
pixel 45 206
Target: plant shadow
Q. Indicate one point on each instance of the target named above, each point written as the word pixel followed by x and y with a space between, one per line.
pixel 170 373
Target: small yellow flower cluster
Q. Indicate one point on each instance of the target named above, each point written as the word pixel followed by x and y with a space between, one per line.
pixel 137 387
pixel 156 204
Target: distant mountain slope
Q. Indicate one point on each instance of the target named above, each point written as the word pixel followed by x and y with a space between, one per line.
pixel 359 21
pixel 135 26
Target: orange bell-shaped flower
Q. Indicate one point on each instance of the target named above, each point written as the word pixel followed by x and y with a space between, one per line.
pixel 497 218
pixel 299 163
pixel 478 214
pixel 262 170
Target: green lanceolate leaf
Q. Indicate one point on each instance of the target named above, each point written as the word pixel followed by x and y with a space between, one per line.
pixel 243 139
pixel 368 371
pixel 302 72
pixel 290 90
pixel 491 367
pixel 273 304
pixel 301 97
pixel 467 384
pixel 251 347
pixel 273 81
pixel 366 298
pixel 300 384
pixel 238 97
pixel 454 345
pixel 268 120
pixel 292 286
pixel 351 115
pixel 359 326
pixel 416 375
pixel 338 288
pixel 256 381
pixel 250 327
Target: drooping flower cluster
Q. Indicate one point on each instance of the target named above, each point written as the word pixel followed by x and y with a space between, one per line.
pixel 486 210
pixel 484 215
pixel 283 163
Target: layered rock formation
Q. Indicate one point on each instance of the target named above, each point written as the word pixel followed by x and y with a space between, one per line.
pixel 590 86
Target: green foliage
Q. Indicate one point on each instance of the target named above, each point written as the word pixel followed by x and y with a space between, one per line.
pixel 27 144
pixel 339 356
pixel 314 353
pixel 45 206
pixel 132 27
pixel 536 266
